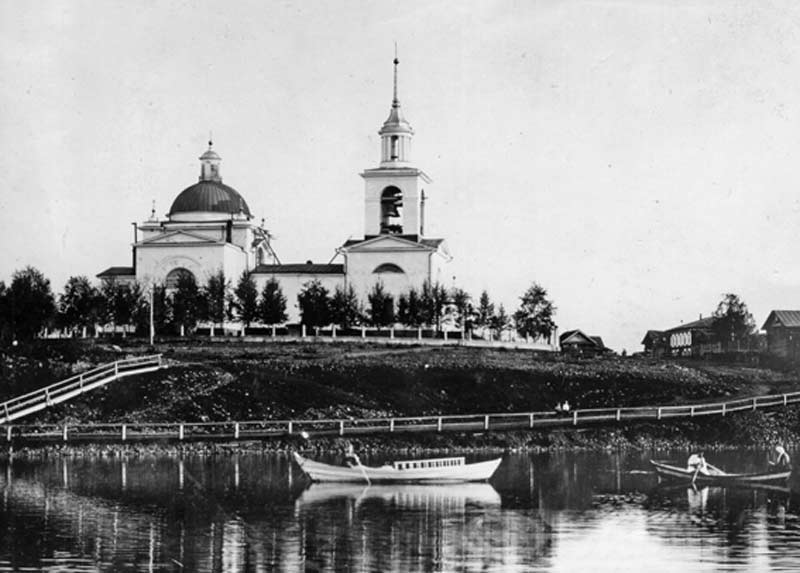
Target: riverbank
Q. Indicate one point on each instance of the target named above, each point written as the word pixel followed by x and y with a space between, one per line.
pixel 241 381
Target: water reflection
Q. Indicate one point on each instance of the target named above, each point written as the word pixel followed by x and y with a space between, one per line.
pixel 239 512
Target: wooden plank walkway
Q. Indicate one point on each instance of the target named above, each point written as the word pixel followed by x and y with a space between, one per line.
pixel 37 400
pixel 269 429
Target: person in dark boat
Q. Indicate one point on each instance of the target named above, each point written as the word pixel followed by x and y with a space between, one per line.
pixel 779 458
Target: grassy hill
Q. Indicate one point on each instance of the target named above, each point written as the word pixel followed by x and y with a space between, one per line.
pixel 241 381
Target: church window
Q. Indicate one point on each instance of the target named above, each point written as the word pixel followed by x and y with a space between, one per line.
pixel 388 268
pixel 175 274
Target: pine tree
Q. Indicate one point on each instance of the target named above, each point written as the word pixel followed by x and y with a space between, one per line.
pixel 272 308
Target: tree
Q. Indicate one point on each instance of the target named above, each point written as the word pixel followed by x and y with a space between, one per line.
pixel 216 296
pixel 314 304
pixel 345 309
pixel 119 301
pixel 485 311
pixel 30 305
pixel 535 315
pixel 433 300
pixel 272 307
pixel 245 299
pixel 80 305
pixel 462 305
pixel 499 322
pixel 409 309
pixel 381 306
pixel 186 302
pixel 734 324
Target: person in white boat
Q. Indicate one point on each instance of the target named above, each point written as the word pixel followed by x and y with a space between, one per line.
pixel 779 458
pixel 350 457
pixel 697 463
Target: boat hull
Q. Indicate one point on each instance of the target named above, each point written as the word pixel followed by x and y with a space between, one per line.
pixel 320 472
pixel 674 472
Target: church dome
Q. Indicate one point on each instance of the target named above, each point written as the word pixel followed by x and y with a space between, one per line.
pixel 210 197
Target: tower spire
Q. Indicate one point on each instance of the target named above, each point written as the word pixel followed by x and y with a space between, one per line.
pixel 395 100
pixel 396 132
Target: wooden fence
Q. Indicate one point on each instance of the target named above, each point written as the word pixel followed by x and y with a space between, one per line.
pixel 266 429
pixel 66 389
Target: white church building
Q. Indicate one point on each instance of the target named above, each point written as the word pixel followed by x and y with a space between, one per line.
pixel 210 228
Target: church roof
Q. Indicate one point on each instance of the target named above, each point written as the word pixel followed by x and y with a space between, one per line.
pixel 210 196
pixel 433 243
pixel 300 268
pixel 116 272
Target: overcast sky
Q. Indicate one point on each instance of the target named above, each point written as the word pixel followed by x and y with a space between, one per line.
pixel 636 158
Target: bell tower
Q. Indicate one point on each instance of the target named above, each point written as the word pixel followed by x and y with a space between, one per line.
pixel 393 199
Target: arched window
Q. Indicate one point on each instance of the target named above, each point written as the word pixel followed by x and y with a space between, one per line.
pixel 388 268
pixel 175 274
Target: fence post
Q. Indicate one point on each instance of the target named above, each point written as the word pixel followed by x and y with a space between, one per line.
pixel 723 408
pixel 8 434
pixel 444 334
pixel 391 333
pixel 785 399
pixel 574 417
pixel 333 331
pixel 65 432
pixel 530 422
pixel 180 432
pixel 5 407
pixel 341 427
pixel 80 380
pixel 236 431
pixel 116 368
pixel 755 403
pixel 659 413
pixel 691 412
pixel 419 333
pixel 302 331
pixel 486 422
pixel 391 425
pixel 124 432
pixel 439 425
pixel 47 397
pixel 363 332
pixel 619 414
pixel 290 427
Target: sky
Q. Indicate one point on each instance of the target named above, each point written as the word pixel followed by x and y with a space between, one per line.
pixel 637 158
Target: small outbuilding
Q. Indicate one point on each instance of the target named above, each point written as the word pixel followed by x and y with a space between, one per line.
pixel 578 342
pixel 783 333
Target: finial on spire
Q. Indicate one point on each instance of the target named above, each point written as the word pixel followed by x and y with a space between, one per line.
pixel 210 139
pixel 395 101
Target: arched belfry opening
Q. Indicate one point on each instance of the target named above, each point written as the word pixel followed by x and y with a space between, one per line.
pixel 391 211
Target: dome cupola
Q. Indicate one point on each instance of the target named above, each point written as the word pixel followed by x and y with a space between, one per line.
pixel 209 195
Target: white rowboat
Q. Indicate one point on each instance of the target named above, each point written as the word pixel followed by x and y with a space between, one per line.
pixel 720 477
pixel 439 470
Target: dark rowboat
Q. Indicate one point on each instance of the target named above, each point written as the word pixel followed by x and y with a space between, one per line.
pixel 718 476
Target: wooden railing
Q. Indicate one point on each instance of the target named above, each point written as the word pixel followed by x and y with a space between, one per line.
pixel 265 429
pixel 26 404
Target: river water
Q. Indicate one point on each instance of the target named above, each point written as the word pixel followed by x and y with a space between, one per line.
pixel 255 512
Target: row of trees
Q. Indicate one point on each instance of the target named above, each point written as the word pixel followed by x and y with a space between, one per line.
pixel 28 305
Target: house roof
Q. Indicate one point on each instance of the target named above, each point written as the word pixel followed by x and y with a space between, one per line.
pixel 577 336
pixel 300 268
pixel 786 318
pixel 703 323
pixel 651 335
pixel 117 272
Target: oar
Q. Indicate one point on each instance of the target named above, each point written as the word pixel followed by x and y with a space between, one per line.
pixel 363 471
